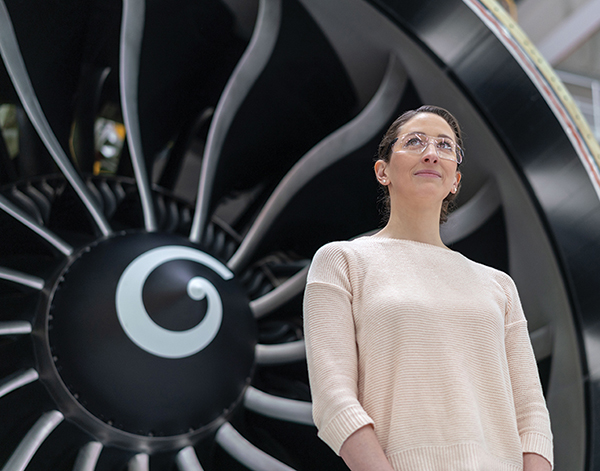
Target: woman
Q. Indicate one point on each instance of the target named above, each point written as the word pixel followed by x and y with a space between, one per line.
pixel 419 358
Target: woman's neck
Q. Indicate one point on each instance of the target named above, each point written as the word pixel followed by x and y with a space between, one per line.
pixel 420 225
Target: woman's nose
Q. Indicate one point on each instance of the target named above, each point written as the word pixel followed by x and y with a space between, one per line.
pixel 430 153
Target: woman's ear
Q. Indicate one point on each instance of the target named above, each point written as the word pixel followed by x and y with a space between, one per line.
pixel 381 172
pixel 456 184
pixel 457 178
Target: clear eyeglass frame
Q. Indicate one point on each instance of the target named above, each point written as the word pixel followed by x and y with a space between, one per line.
pixel 445 147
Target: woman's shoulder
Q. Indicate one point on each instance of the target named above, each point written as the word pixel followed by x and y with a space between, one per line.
pixel 346 248
pixel 346 255
pixel 495 274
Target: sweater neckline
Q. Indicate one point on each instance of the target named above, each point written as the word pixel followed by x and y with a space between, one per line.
pixel 415 242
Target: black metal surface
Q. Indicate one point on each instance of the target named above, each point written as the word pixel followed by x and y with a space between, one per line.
pixel 303 95
pixel 189 50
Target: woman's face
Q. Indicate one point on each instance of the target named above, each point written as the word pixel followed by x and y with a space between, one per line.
pixel 420 177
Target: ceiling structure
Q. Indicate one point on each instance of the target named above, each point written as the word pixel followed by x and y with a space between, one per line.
pixel 567 33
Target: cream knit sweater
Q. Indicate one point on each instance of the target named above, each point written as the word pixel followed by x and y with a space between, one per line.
pixel 429 347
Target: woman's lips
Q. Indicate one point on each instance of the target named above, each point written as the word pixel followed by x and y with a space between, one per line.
pixel 428 173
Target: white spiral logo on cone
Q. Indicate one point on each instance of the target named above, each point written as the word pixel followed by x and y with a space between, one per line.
pixel 146 333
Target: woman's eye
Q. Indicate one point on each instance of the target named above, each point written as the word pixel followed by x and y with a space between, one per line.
pixel 413 141
pixel 445 145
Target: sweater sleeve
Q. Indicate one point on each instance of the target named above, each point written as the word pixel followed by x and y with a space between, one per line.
pixel 331 348
pixel 533 420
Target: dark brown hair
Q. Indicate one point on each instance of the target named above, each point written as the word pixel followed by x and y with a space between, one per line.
pixel 384 153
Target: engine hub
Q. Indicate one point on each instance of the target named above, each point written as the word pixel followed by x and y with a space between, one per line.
pixel 147 335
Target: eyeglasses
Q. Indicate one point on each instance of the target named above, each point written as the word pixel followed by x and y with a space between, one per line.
pixel 445 147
